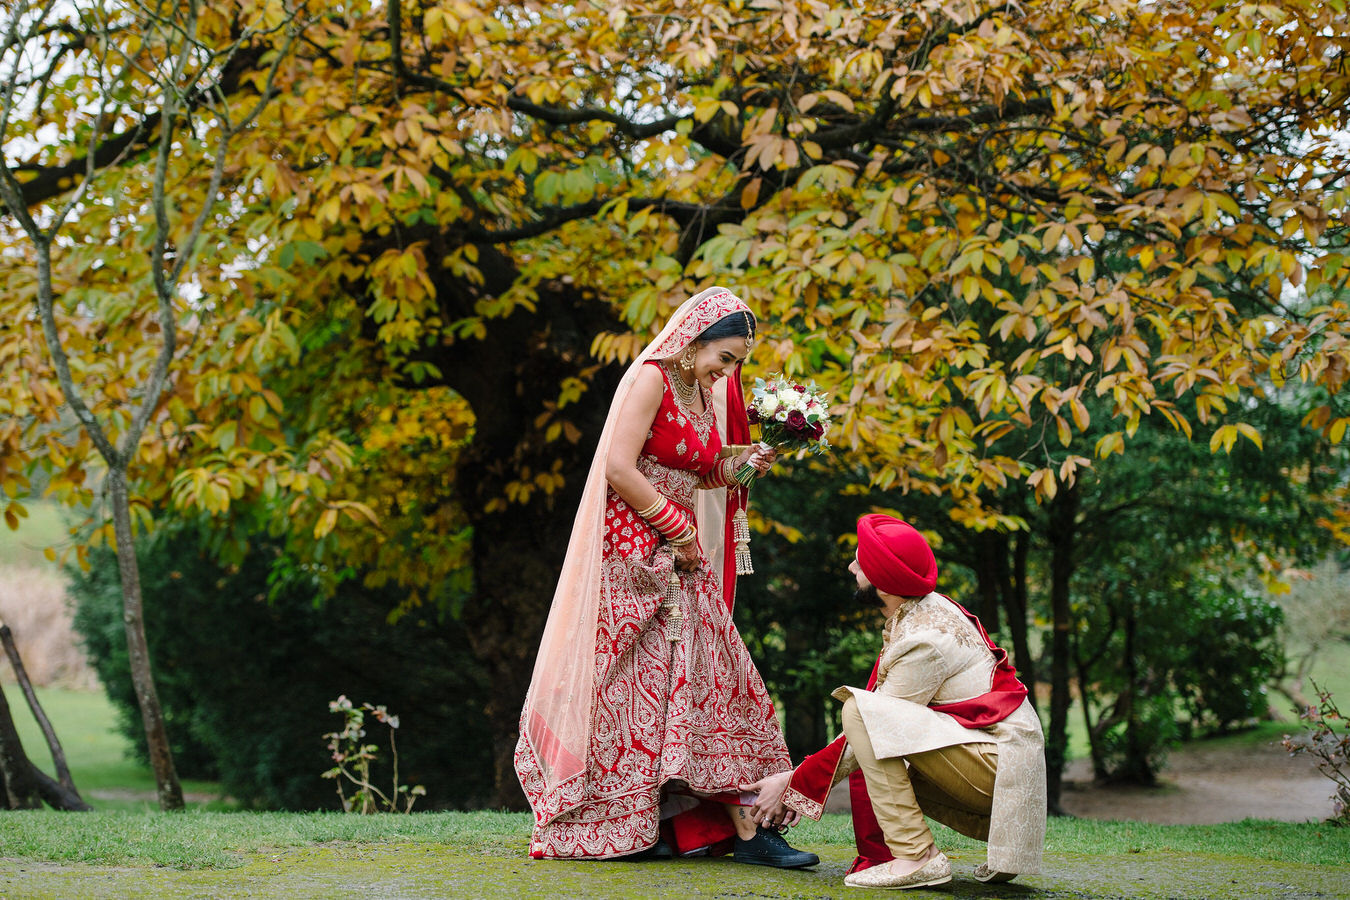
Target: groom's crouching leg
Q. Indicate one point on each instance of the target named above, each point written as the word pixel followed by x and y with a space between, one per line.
pixel 769 848
pixel 888 785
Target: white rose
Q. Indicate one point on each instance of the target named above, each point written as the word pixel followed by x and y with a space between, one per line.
pixel 768 406
pixel 788 397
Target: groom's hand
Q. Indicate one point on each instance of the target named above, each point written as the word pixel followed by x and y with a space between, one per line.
pixel 768 809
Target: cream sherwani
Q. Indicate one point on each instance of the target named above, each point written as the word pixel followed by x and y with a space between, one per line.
pixel 932 654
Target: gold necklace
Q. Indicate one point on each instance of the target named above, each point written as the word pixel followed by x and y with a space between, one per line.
pixel 684 393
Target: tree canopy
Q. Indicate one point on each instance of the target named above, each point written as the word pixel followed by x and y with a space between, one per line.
pixel 968 220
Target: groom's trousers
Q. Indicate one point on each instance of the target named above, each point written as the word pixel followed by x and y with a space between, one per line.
pixel 954 785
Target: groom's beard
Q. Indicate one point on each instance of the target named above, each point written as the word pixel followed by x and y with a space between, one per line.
pixel 867 596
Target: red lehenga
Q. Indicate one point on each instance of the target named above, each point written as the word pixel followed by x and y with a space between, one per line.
pixel 678 711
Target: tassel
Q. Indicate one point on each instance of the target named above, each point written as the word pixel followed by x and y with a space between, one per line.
pixel 674 617
pixel 740 535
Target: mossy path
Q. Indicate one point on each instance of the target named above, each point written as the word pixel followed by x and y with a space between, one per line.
pixel 432 870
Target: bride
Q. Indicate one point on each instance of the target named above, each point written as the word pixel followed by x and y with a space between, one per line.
pixel 645 711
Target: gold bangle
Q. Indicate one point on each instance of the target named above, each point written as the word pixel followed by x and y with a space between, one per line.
pixel 690 534
pixel 654 508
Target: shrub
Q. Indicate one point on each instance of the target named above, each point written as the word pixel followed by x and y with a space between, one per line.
pixel 245 682
pixel 1327 740
pixel 1232 652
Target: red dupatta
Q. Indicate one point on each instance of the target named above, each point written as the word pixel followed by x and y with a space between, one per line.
pixel 738 498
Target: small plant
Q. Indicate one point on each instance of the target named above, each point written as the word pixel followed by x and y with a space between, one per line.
pixel 1327 740
pixel 354 759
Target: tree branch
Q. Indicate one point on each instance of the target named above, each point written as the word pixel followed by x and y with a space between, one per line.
pixel 635 130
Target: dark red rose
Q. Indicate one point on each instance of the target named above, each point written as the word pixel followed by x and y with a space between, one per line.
pixel 800 389
pixel 817 431
pixel 797 424
pixel 753 415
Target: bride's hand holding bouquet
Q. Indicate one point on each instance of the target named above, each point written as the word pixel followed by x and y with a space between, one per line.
pixel 790 417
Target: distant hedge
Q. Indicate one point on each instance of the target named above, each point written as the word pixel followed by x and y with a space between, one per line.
pixel 245 683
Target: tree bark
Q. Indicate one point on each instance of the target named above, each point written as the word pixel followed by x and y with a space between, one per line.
pixel 1135 768
pixel 1063 515
pixel 39 714
pixel 138 649
pixel 1014 592
pixel 57 795
pixel 18 788
pixel 1099 769
pixel 518 552
pixel 803 711
pixel 990 548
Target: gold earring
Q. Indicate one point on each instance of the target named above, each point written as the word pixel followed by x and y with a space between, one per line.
pixel 687 358
pixel 749 333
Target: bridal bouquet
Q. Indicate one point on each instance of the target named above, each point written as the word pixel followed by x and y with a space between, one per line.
pixel 790 417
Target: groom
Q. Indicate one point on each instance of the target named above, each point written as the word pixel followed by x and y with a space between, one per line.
pixel 944 729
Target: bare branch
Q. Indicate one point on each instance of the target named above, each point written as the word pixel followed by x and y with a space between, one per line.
pixel 166 283
pixel 91 152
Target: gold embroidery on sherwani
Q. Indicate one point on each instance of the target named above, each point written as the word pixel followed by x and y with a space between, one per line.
pixel 949 666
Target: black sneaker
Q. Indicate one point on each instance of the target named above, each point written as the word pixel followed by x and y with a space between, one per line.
pixel 659 850
pixel 768 848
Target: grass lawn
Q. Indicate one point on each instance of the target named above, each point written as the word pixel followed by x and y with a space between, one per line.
pixel 45 526
pixel 106 776
pixel 205 839
pixel 126 848
pixel 483 854
pixel 1331 671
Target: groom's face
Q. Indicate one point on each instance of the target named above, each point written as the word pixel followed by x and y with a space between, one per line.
pixel 857 571
pixel 866 593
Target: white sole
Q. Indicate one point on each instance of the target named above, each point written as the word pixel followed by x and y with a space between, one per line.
pixel 902 887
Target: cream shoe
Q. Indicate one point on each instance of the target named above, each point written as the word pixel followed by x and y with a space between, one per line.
pixel 937 870
pixel 991 876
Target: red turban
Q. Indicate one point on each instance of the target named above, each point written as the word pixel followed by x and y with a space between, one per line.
pixel 894 557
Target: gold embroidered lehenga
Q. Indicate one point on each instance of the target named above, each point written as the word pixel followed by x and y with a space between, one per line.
pixel 666 709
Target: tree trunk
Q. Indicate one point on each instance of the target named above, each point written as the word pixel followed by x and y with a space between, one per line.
pixel 991 550
pixel 515 573
pixel 1063 515
pixel 39 714
pixel 518 552
pixel 1135 768
pixel 803 710
pixel 57 795
pixel 18 788
pixel 1014 593
pixel 138 649
pixel 1099 770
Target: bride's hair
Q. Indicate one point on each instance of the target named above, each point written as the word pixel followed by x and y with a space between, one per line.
pixel 737 324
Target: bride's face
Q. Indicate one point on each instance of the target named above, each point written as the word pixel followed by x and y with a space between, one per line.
pixel 718 359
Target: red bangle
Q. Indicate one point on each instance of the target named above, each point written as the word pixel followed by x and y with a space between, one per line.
pixel 669 520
